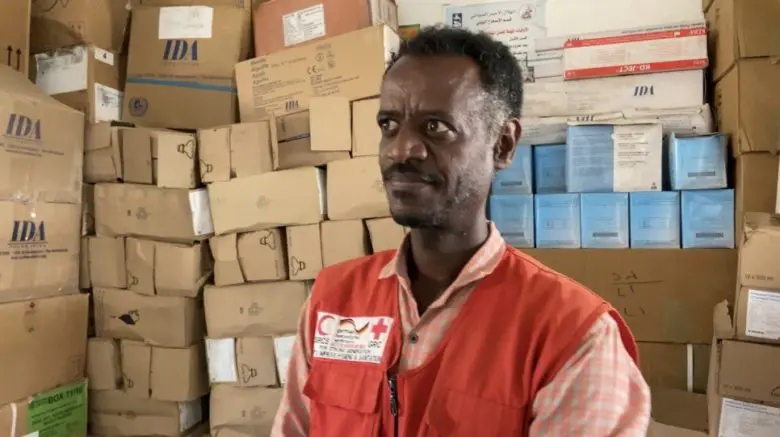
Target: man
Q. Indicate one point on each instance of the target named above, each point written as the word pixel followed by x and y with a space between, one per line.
pixel 456 334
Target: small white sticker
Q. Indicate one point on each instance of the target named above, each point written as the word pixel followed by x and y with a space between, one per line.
pixel 190 414
pixel 201 212
pixel 108 103
pixel 763 315
pixel 743 419
pixel 62 72
pixel 221 357
pixel 304 25
pixel 355 339
pixel 104 56
pixel 185 22
pixel 283 349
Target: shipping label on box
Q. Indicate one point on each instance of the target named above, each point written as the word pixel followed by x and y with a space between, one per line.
pixel 83 77
pixel 254 310
pixel 351 65
pixel 58 412
pixel 756 315
pixel 160 320
pixel 667 48
pixel 245 362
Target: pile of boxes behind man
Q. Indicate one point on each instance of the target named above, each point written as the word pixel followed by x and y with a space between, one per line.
pixel 198 227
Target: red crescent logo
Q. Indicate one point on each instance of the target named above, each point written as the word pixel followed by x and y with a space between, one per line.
pixel 320 323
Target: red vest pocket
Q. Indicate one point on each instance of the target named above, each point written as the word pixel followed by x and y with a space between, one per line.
pixel 455 414
pixel 344 399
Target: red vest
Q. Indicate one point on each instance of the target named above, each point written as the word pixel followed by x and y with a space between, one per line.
pixel 517 329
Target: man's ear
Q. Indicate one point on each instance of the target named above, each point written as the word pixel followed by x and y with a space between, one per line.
pixel 504 149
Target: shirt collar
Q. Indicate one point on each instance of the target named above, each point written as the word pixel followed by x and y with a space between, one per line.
pixel 481 264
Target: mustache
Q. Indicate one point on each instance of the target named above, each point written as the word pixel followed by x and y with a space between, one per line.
pixel 405 170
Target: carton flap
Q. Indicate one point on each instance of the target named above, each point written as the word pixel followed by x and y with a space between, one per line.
pixel 13 82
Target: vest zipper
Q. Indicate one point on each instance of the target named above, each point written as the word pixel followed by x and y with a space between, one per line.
pixel 392 384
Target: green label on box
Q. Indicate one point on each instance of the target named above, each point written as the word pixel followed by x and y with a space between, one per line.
pixel 61 412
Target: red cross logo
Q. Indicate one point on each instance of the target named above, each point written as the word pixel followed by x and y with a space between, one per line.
pixel 378 329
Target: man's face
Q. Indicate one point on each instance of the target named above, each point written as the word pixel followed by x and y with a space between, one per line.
pixel 436 152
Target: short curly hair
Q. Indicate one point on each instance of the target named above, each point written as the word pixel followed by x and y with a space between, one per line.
pixel 500 73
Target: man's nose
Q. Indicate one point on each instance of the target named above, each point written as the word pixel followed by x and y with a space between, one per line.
pixel 407 145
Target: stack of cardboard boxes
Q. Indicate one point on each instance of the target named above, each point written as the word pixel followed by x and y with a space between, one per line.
pixel 744 378
pixel 43 317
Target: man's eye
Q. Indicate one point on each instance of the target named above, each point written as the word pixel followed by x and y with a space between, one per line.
pixel 435 126
pixel 387 125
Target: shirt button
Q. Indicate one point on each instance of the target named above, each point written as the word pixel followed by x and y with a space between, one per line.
pixel 413 338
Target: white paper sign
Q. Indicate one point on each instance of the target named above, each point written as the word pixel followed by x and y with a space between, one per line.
pixel 304 25
pixel 283 349
pixel 221 357
pixel 108 103
pixel 743 419
pixel 763 315
pixel 63 72
pixel 185 22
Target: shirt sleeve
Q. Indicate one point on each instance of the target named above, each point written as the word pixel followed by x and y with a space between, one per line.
pixel 292 417
pixel 600 391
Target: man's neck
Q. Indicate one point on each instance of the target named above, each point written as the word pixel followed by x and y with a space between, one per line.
pixel 439 255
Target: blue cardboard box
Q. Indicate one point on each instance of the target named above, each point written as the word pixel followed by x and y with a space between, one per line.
pixel 557 220
pixel 513 215
pixel 516 179
pixel 550 169
pixel 697 162
pixel 708 219
pixel 655 220
pixel 604 220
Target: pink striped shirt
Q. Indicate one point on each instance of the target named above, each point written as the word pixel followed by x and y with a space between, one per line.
pixel 599 392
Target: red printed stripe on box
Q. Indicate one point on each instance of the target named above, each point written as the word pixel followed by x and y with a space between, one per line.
pixel 636 37
pixel 652 67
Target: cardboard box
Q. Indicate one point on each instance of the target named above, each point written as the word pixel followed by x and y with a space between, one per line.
pixel 61 411
pixel 294 147
pixel 112 412
pixel 180 65
pixel 757 252
pixel 620 157
pixel 518 177
pixel 707 219
pixel 743 107
pixel 250 257
pixel 604 220
pixel 513 215
pixel 57 24
pixel 42 144
pixel 657 429
pixel 654 220
pixel 356 190
pixel 244 407
pixel 679 409
pixel 741 29
pixel 245 362
pixel 170 214
pixel 40 254
pixel 104 365
pixel 343 240
pixel 146 151
pixel 366 134
pixel 664 295
pixel 86 78
pixel 167 269
pixel 676 366
pixel 330 122
pixel 698 162
pixel 549 168
pixel 755 186
pixel 164 373
pixel 258 202
pixel 236 151
pixel 304 251
pixel 160 320
pixel 235 3
pixel 254 310
pixel 350 65
pixel 385 234
pixel 603 95
pixel 107 262
pixel 103 152
pixel 36 334
pixel 557 221
pixel 637 51
pixel 283 24
pixel 15 35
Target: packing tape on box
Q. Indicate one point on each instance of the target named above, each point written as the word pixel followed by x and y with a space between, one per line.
pixel 689 368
